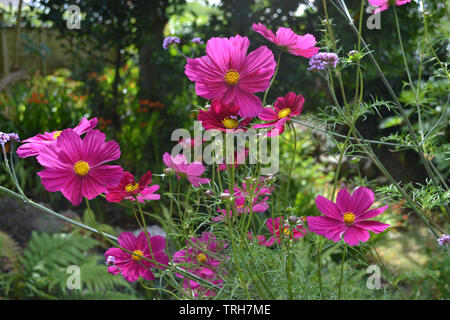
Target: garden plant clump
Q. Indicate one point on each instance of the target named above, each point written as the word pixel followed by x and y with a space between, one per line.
pixel 261 196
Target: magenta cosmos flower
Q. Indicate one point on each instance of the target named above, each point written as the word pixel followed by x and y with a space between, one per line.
pixel 241 198
pixel 76 167
pixel 384 4
pixel 260 240
pixel 229 74
pixel 203 257
pixel 222 116
pixel 132 190
pixel 132 267
pixel 32 146
pixel 284 109
pixel 295 44
pixel 348 217
pixel 280 230
pixel 191 171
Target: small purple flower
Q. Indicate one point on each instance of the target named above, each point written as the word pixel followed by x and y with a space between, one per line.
pixel 168 41
pixel 110 261
pixel 5 137
pixel 323 60
pixel 197 40
pixel 444 240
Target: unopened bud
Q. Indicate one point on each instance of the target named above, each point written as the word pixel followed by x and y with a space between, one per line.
pixel 168 171
pixel 292 220
pixel 224 196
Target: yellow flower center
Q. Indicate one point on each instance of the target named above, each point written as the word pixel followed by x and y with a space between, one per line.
pixel 232 77
pixel 230 123
pixel 56 134
pixel 349 218
pixel 131 187
pixel 283 113
pixel 201 257
pixel 287 231
pixel 138 252
pixel 81 168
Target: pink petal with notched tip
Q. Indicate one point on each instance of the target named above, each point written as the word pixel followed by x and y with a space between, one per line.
pixel 373 226
pixel 72 191
pixel 128 241
pixel 266 33
pixel 328 208
pixel 55 179
pixel 327 227
pixel 354 235
pixel 108 175
pixel 250 105
pixel 85 125
pixel 344 201
pixel 362 200
pixel 371 213
pixel 268 114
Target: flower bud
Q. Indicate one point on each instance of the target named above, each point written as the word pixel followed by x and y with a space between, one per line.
pixel 293 220
pixel 224 196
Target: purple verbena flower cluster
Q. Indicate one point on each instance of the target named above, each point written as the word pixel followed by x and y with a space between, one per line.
pixel 323 60
pixel 444 239
pixel 168 41
pixel 5 137
pixel 197 40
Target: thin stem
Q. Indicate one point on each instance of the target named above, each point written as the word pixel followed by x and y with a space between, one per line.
pixel 272 80
pixel 405 61
pixel 342 271
pixel 292 162
pixel 319 269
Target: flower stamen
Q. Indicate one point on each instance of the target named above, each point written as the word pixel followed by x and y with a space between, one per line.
pixel 232 77
pixel 81 168
pixel 201 257
pixel 349 218
pixel 131 187
pixel 138 252
pixel 283 113
pixel 230 123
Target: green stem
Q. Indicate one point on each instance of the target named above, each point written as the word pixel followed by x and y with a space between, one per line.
pixel 292 162
pixel 272 80
pixel 319 269
pixel 342 271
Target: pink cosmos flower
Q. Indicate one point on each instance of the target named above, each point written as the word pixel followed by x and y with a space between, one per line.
pixel 229 74
pixel 32 146
pixel 279 230
pixel 191 171
pixel 347 218
pixel 295 44
pixel 241 198
pixel 261 240
pixel 222 116
pixel 132 267
pixel 203 258
pixel 131 190
pixel 76 167
pixel 284 109
pixel 384 4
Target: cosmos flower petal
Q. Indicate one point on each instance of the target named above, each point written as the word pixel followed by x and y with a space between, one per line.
pixel 362 199
pixel 371 213
pixel 374 226
pixel 328 208
pixel 354 235
pixel 344 201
